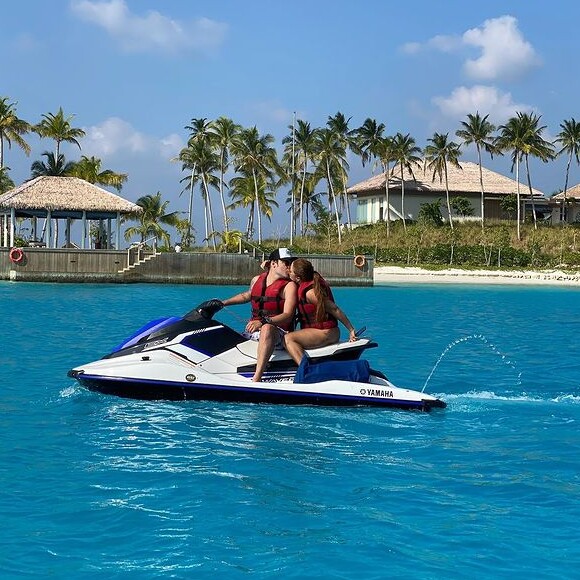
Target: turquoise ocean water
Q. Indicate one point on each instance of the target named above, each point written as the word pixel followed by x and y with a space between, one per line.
pixel 101 487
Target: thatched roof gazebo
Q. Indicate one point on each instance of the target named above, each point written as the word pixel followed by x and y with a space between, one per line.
pixel 55 198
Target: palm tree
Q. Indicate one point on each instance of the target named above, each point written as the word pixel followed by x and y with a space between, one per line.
pixel 54 166
pixel 478 131
pixel 385 153
pixel 89 169
pixel 6 182
pixel 523 136
pixel 255 156
pixel 203 161
pixel 154 214
pixel 59 128
pixel 11 128
pixel 302 148
pixel 405 154
pixel 229 241
pixel 438 154
pixel 331 166
pixel 369 138
pixel 243 192
pixel 348 138
pixel 223 132
pixel 569 139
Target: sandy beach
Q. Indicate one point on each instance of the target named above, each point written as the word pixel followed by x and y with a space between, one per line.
pixel 396 274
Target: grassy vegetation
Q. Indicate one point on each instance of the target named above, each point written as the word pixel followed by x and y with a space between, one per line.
pixel 466 246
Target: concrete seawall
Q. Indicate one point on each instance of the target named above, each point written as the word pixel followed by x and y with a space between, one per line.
pixel 122 267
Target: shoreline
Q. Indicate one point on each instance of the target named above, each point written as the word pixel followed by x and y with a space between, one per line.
pixel 413 275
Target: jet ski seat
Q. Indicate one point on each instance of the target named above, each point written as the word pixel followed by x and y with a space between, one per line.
pixel 356 371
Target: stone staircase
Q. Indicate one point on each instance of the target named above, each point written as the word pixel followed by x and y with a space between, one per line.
pixel 138 263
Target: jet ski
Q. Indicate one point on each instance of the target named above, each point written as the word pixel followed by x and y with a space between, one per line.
pixel 195 357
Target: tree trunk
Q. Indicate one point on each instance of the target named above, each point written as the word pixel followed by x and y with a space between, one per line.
pixel 518 209
pixel 403 200
pixel 331 191
pixel 258 208
pixel 481 185
pixel 531 192
pixel 448 200
pixel 564 208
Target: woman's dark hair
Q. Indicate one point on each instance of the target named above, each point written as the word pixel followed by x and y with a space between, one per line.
pixel 305 271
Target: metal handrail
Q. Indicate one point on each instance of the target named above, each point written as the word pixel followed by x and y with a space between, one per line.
pixel 139 246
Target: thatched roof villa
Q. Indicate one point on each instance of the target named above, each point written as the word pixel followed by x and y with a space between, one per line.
pixel 572 209
pixel 58 198
pixel 422 188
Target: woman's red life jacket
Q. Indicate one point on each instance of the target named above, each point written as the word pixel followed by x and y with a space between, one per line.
pixel 307 311
pixel 269 300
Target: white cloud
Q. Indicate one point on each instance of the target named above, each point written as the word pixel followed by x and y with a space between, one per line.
pixel 152 32
pixel 487 100
pixel 505 54
pixel 171 145
pixel 411 47
pixel 116 136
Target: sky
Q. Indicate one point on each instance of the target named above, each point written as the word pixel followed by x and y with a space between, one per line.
pixel 134 73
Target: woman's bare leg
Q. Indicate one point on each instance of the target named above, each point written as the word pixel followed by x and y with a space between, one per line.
pixel 298 341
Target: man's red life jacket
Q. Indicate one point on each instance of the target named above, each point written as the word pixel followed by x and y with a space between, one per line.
pixel 269 300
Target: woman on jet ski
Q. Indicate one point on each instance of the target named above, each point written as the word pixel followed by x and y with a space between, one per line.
pixel 317 312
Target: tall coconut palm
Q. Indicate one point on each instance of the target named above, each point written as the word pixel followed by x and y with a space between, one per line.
pixel 59 128
pixel 385 154
pixel 348 138
pixel 369 138
pixel 522 135
pixel 299 154
pixel 512 138
pixel 199 131
pixel 223 132
pixel 11 128
pixel 243 193
pixel 439 153
pixel 478 131
pixel 54 166
pixel 406 156
pixel 89 169
pixel 254 155
pixel 331 166
pixel 569 139
pixel 204 163
pixel 152 218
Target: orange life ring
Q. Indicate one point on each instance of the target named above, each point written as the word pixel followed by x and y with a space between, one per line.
pixel 359 261
pixel 16 255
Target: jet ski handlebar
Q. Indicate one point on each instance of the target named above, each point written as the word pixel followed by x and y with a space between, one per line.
pixel 208 308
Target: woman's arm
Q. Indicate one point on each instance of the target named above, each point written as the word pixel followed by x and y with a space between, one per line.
pixel 333 309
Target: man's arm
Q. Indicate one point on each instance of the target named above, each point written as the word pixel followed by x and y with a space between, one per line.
pixel 242 297
pixel 290 294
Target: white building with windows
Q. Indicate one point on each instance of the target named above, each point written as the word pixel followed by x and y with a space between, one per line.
pixel 421 187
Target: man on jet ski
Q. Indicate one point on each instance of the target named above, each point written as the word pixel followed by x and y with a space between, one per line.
pixel 273 297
